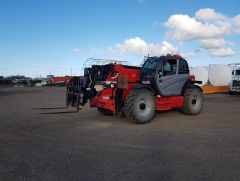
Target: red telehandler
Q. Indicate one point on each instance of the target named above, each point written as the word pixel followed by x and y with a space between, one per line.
pixel 161 83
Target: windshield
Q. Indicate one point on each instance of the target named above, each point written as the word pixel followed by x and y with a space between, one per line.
pixel 150 65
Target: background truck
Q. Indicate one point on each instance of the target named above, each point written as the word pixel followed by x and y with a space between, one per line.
pixel 161 83
pixel 235 83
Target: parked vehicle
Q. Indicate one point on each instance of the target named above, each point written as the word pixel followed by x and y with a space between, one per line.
pixel 162 83
pixel 235 83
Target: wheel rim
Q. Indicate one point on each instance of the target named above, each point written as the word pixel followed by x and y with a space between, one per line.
pixel 195 101
pixel 143 107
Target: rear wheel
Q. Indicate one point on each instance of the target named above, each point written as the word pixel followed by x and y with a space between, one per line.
pixel 193 101
pixel 139 107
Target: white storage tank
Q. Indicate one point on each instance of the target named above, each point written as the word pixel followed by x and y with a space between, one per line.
pixel 201 74
pixel 220 75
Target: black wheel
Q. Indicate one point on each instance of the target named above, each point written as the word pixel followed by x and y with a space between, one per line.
pixel 139 107
pixel 105 112
pixel 231 92
pixel 193 101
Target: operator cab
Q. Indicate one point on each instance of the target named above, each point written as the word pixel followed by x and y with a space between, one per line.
pixel 165 74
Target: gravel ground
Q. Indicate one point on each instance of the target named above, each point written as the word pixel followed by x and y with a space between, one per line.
pixel 42 140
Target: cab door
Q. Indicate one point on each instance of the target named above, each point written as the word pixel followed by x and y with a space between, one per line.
pixel 168 79
pixel 183 72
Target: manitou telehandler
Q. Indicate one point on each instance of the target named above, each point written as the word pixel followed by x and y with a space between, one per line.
pixel 161 83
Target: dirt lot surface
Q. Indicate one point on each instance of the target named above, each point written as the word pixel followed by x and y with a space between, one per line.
pixel 58 144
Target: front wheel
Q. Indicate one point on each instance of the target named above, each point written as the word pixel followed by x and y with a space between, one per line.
pixel 140 105
pixel 193 101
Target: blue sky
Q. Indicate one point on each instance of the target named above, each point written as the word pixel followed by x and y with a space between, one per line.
pixel 42 36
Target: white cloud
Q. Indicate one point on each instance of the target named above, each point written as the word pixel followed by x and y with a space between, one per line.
pixel 138 46
pixel 214 43
pixel 236 24
pixel 221 52
pixel 184 27
pixel 209 15
pixel 208 27
pixel 207 23
pixel 76 50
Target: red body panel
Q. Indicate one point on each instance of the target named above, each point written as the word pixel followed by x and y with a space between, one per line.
pixel 64 80
pixel 168 103
pixel 132 74
pixel 106 99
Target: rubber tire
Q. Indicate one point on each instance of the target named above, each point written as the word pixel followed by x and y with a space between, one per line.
pixel 132 109
pixel 190 107
pixel 105 112
pixel 231 93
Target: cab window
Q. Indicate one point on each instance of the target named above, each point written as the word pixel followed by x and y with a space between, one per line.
pixel 183 67
pixel 170 67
